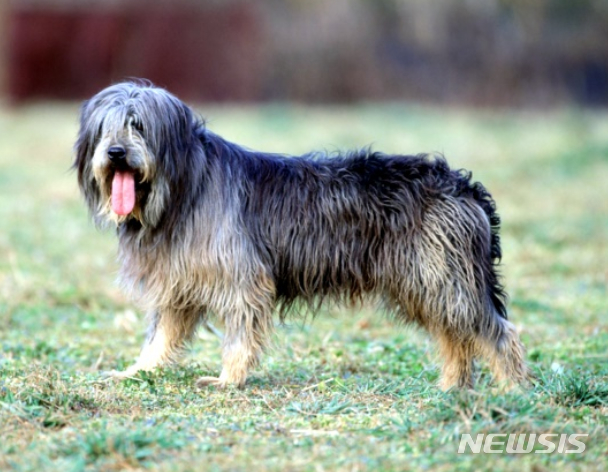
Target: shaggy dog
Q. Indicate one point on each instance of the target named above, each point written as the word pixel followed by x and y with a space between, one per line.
pixel 208 227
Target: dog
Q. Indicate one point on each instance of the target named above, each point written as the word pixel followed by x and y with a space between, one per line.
pixel 207 227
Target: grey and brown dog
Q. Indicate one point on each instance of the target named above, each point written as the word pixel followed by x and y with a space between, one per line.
pixel 208 227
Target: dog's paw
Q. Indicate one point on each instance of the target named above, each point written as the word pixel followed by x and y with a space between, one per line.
pixel 203 382
pixel 119 374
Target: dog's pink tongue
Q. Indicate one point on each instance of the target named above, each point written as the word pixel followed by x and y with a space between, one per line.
pixel 123 193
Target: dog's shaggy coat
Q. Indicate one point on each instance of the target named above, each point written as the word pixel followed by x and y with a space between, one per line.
pixel 210 227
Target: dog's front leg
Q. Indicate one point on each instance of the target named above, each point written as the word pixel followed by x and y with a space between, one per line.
pixel 248 327
pixel 241 350
pixel 168 331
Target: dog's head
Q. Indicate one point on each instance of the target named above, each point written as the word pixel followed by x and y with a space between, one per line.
pixel 132 152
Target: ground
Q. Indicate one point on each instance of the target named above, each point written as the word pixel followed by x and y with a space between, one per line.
pixel 348 391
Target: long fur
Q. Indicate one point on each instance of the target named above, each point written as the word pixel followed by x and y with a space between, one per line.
pixel 220 229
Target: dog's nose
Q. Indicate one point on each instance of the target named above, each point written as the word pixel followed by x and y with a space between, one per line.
pixel 117 153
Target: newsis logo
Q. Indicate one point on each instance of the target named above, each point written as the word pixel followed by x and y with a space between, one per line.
pixel 523 443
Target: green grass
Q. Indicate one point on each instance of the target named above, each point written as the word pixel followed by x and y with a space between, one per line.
pixel 349 391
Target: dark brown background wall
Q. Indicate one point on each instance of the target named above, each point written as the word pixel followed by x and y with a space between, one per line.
pixel 205 53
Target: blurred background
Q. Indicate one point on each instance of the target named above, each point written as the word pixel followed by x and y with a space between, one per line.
pixel 522 53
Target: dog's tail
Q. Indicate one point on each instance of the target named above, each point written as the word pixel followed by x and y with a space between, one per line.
pixel 482 197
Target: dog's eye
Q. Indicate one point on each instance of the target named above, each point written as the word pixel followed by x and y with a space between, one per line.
pixel 135 123
pixel 138 126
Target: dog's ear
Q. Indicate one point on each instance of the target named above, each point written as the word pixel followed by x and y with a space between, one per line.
pixel 179 125
pixel 180 158
pixel 83 154
pixel 177 144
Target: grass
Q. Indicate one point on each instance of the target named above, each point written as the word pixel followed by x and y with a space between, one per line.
pixel 349 391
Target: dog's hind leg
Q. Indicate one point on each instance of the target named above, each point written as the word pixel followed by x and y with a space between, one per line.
pixel 168 331
pixel 458 356
pixel 505 353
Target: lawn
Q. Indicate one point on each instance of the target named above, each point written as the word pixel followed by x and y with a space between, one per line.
pixel 348 391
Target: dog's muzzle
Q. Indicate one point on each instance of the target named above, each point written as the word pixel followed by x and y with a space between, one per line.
pixel 117 154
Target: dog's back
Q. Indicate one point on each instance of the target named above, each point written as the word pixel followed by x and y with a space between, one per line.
pixel 365 224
